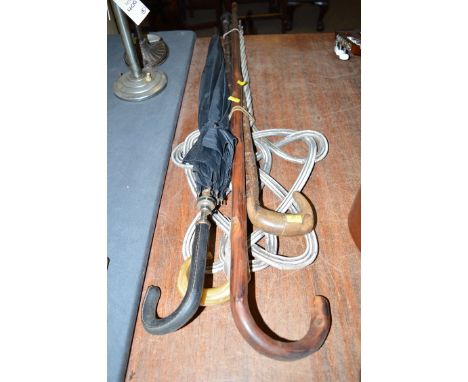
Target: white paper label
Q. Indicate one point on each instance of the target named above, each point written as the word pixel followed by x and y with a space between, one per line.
pixel 134 9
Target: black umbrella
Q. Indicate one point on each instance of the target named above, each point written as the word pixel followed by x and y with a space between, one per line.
pixel 211 157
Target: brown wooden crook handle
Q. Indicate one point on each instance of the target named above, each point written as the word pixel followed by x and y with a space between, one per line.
pixel 276 223
pixel 252 333
pixel 281 350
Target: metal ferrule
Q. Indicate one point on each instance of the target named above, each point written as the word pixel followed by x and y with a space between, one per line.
pixel 206 204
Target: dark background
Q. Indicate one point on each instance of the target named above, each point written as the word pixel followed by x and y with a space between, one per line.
pixel 167 15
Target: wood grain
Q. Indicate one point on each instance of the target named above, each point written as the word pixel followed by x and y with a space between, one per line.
pixel 297 82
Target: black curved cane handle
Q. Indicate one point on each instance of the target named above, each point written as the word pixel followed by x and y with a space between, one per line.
pixel 191 300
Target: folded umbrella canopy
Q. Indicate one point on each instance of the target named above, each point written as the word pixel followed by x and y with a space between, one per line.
pixel 211 157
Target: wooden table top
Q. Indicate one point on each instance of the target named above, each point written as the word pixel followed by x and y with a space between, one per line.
pixel 298 83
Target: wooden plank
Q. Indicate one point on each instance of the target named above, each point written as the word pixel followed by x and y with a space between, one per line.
pixel 297 82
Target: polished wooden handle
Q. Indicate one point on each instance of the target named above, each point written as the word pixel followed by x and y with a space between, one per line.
pixel 276 223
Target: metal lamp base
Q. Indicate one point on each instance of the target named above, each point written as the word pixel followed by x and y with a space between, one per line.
pixel 131 88
pixel 152 52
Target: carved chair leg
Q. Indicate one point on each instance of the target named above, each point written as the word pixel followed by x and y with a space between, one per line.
pixel 323 8
pixel 272 6
pixel 283 5
pixel 290 16
pixel 219 12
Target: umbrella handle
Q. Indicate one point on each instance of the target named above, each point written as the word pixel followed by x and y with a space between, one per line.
pixel 210 296
pixel 191 300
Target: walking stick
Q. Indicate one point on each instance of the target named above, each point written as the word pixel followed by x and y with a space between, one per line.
pixel 252 333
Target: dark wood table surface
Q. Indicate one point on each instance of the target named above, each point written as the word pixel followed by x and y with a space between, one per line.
pixel 298 83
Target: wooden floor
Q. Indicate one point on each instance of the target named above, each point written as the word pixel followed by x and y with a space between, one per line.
pixel 298 83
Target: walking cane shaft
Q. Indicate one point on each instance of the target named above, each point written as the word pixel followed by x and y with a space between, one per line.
pixel 245 323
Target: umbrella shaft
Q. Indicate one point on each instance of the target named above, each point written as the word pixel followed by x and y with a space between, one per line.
pixel 227 25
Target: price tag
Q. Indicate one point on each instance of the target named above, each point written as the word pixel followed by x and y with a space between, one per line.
pixel 134 9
